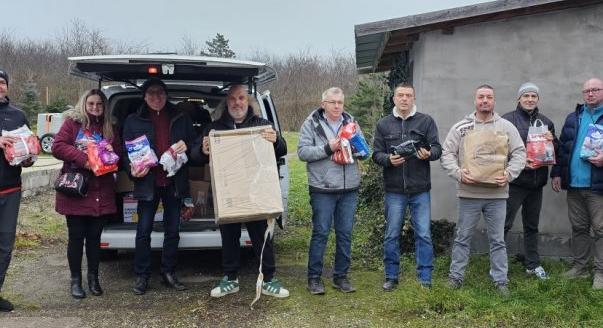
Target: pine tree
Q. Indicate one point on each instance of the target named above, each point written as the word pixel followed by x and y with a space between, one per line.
pixel 218 47
pixel 30 99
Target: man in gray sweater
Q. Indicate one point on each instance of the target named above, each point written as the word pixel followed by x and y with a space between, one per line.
pixel 476 198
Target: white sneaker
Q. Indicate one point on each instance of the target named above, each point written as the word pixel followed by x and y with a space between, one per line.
pixel 225 287
pixel 538 272
pixel 274 288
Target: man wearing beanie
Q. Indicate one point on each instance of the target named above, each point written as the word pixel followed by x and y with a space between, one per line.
pixel 526 190
pixel 10 183
pixel 163 125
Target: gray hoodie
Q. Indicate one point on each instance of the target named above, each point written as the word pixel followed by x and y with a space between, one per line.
pixel 324 175
pixel 452 155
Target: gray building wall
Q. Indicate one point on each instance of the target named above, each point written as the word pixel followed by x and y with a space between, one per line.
pixel 558 51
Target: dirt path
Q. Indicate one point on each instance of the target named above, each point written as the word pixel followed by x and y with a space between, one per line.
pixel 38 284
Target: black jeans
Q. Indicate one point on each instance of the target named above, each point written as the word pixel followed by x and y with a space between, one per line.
pixel 9 211
pixel 84 228
pixel 171 236
pixel 231 248
pixel 530 201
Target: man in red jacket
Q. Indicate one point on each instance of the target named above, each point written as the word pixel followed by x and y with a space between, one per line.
pixel 10 183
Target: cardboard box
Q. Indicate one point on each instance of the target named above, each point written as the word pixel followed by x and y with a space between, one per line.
pixel 196 173
pixel 202 199
pixel 129 211
pixel 244 175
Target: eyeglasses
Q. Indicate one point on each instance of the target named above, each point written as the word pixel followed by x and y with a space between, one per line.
pixel 333 102
pixel 593 90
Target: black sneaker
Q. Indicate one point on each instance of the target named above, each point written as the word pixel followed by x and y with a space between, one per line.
pixel 343 284
pixel 141 285
pixel 390 284
pixel 454 283
pixel 315 286
pixel 5 305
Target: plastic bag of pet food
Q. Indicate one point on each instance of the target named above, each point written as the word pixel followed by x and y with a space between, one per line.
pixel 171 161
pixel 140 153
pixel 26 147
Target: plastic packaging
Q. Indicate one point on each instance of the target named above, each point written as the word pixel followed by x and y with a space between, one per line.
pixel 171 161
pixel 106 156
pixel 593 142
pixel 140 153
pixel 94 150
pixel 351 132
pixel 344 154
pixel 27 147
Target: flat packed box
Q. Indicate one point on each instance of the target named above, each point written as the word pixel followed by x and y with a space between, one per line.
pixel 201 195
pixel 130 206
pixel 244 175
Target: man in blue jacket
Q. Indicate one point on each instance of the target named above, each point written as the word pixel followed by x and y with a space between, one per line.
pixel 407 181
pixel 583 180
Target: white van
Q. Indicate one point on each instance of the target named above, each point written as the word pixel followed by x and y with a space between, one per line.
pixel 202 81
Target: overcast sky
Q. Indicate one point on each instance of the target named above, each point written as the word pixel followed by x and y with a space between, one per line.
pixel 277 27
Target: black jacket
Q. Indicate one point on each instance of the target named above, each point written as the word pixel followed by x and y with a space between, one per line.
pixel 225 122
pixel 567 142
pixel 531 179
pixel 181 128
pixel 11 118
pixel 414 175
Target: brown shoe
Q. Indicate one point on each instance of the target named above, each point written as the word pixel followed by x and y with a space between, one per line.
pixel 575 273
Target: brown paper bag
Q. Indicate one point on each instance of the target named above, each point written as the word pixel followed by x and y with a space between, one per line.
pixel 485 155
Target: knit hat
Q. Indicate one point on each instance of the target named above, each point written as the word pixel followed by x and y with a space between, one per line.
pixel 151 82
pixel 527 87
pixel 4 75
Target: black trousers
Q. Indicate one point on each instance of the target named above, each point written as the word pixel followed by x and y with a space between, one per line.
pixel 530 201
pixel 231 248
pixel 9 211
pixel 84 229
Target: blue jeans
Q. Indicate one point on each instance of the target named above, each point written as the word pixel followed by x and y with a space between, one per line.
pixel 327 208
pixel 171 226
pixel 420 210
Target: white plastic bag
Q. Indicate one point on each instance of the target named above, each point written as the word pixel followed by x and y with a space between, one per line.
pixel 171 161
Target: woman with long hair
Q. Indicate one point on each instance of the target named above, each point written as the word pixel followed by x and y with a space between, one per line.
pixel 86 216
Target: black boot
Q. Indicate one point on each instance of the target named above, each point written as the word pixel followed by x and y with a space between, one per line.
pixel 76 287
pixel 141 285
pixel 169 280
pixel 94 285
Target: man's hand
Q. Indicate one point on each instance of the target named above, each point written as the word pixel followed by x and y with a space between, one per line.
pixel 27 163
pixel 556 184
pixel 7 141
pixel 466 177
pixel 423 154
pixel 205 146
pixel 179 147
pixel 269 134
pixel 138 173
pixel 530 165
pixel 597 160
pixel 548 136
pixel 396 160
pixel 335 144
pixel 502 180
pixel 186 213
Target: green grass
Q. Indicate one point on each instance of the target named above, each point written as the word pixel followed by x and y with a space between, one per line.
pixel 556 302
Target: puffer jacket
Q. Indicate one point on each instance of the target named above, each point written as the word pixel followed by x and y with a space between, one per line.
pixel 531 179
pixel 324 175
pixel 11 118
pixel 567 142
pixel 100 199
pixel 181 128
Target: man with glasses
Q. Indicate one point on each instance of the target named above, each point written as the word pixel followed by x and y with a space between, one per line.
pixel 333 190
pixel 407 182
pixel 162 124
pixel 583 180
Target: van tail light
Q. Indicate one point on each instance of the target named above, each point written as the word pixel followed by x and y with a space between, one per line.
pixel 104 245
pixel 247 242
pixel 153 70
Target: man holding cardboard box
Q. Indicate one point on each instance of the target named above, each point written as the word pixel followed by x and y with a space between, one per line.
pixel 242 112
pixel 483 153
